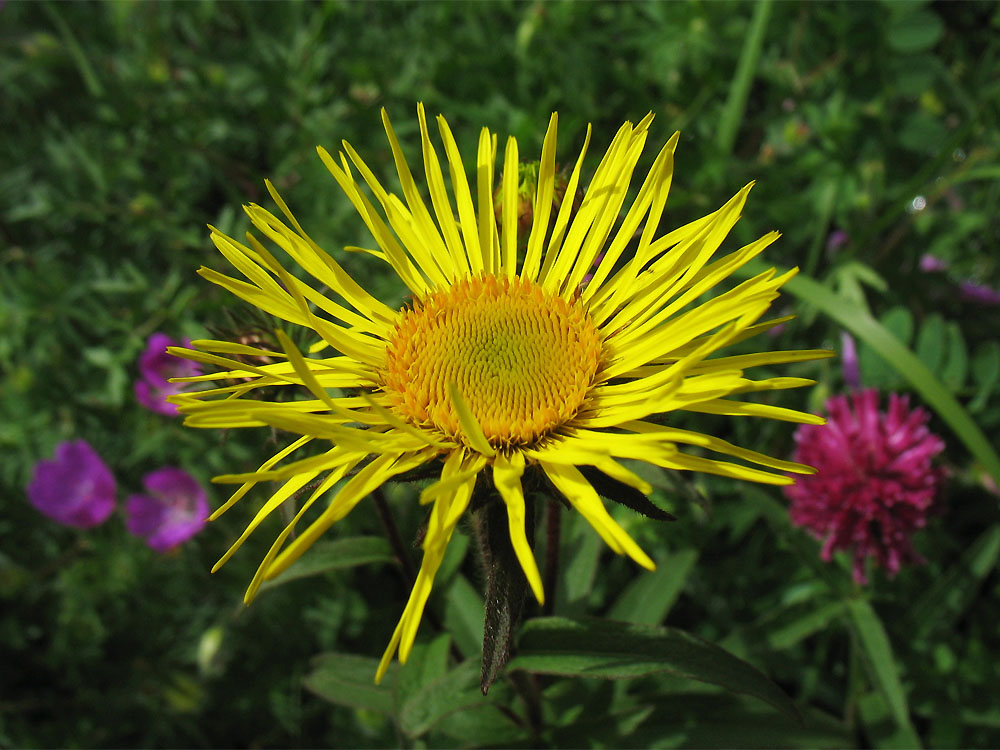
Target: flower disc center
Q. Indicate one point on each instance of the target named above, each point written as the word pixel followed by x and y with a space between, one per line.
pixel 522 359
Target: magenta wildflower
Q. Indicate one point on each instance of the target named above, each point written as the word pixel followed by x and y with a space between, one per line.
pixel 156 367
pixel 981 294
pixel 173 511
pixel 932 264
pixel 837 239
pixel 874 482
pixel 75 488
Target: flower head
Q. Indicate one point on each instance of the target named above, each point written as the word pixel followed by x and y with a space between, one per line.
pixel 156 368
pixel 874 482
pixel 173 511
pixel 505 362
pixel 75 488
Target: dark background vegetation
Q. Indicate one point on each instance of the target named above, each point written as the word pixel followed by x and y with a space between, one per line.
pixel 128 126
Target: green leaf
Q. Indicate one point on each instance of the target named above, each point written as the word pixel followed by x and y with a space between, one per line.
pixel 721 720
pixel 880 728
pixel 931 342
pixel 454 556
pixel 585 647
pixel 483 726
pixel 802 627
pixel 453 691
pixel 604 726
pixel 427 662
pixel 875 371
pixel 335 555
pixel 914 74
pixel 923 133
pixel 956 364
pixel 878 658
pixel 899 322
pixel 916 31
pixel 649 597
pixel 581 555
pixel 951 594
pixel 464 614
pixel 986 373
pixel 349 680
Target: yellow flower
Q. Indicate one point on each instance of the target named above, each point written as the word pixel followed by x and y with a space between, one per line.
pixel 501 363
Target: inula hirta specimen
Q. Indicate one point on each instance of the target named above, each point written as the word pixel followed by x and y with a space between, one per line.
pixel 875 479
pixel 505 362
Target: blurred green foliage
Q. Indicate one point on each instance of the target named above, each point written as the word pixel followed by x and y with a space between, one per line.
pixel 130 125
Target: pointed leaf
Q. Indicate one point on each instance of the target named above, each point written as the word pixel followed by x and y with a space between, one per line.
pixel 483 726
pixel 877 653
pixel 464 615
pixel 348 680
pixel 986 373
pixel 585 647
pixel 813 621
pixel 882 730
pixel 649 597
pixel 453 691
pixel 931 342
pixel 724 720
pixel 581 552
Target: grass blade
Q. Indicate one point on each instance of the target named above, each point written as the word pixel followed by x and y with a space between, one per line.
pixel 904 361
pixel 746 67
pixel 878 657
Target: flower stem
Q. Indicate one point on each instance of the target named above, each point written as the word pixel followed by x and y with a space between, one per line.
pixel 395 540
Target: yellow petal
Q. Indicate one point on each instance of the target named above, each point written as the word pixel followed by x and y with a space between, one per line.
pixel 542 207
pixel 507 479
pixel 467 420
pixel 508 211
pixel 372 476
pixel 283 453
pixel 582 496
pixel 448 508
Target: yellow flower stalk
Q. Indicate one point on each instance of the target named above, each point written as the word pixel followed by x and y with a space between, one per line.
pixel 571 353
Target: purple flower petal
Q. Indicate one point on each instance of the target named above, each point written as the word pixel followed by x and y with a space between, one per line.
pixel 156 367
pixel 932 264
pixel 837 239
pixel 173 511
pixel 979 293
pixel 849 360
pixel 76 488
